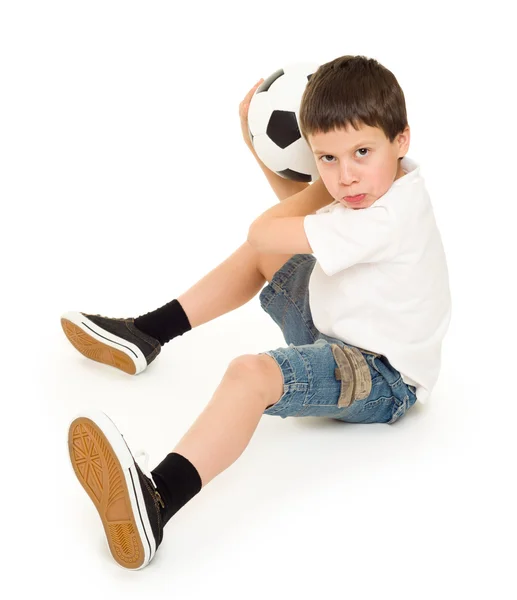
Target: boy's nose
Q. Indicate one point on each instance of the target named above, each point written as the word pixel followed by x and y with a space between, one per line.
pixel 347 178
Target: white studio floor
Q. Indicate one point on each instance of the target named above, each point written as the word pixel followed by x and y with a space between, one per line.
pixel 312 506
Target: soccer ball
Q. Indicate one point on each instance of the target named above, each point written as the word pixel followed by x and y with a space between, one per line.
pixel 273 123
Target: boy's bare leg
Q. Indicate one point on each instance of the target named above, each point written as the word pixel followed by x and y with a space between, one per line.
pixel 132 344
pixel 223 430
pixel 239 278
pixel 230 285
pixel 134 505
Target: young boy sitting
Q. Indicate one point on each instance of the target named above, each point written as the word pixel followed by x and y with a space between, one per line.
pixel 357 282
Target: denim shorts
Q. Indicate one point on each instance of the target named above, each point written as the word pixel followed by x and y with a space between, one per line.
pixel 323 376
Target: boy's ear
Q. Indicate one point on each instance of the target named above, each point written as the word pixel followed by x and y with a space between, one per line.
pixel 403 141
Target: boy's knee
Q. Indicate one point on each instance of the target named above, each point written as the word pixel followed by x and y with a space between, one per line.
pixel 260 370
pixel 252 365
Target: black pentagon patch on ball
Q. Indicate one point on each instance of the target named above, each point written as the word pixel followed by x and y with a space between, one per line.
pixel 283 128
pixel 295 176
pixel 250 134
pixel 267 83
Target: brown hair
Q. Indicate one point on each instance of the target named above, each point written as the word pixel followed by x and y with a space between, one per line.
pixel 352 90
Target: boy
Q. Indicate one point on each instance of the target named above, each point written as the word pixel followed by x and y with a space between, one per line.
pixel 358 284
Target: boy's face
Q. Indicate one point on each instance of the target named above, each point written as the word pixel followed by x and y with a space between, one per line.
pixel 354 162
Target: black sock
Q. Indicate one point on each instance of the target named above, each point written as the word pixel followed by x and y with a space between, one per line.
pixel 164 323
pixel 177 481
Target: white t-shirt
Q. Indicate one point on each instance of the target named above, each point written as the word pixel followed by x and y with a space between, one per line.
pixel 381 281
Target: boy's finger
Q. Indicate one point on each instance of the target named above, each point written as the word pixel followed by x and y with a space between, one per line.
pixel 252 91
pixel 254 88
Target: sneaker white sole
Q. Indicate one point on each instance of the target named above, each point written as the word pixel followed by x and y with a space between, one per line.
pixel 100 345
pixel 105 468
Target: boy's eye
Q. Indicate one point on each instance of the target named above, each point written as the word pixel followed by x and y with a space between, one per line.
pixel 330 155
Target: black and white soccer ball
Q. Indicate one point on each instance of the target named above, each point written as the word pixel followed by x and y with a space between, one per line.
pixel 273 123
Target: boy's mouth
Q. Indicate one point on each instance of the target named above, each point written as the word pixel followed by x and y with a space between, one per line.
pixel 357 198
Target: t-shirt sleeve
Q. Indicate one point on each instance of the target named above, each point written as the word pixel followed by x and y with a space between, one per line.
pixel 344 237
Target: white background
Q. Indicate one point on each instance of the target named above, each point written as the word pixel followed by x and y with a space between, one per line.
pixel 124 179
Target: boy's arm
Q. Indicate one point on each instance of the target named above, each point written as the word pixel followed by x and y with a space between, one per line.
pixel 305 202
pixel 283 188
pixel 280 230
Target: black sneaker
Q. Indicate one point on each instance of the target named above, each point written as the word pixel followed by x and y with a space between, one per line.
pixel 126 499
pixel 115 342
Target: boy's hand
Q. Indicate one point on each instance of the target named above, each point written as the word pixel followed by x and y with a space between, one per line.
pixel 243 113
